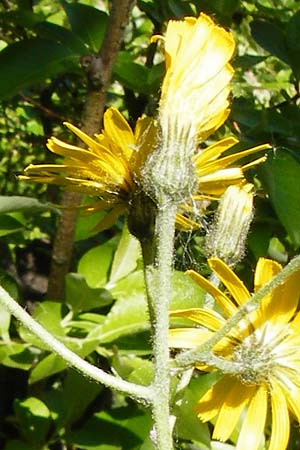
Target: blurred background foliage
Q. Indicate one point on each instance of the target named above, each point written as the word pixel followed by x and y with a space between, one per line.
pixel 43 46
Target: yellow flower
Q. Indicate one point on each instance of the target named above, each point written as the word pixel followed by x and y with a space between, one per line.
pixel 108 169
pixel 264 349
pixel 194 97
pixel 119 162
pixel 193 104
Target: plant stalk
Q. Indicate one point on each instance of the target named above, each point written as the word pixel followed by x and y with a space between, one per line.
pixel 140 393
pixel 161 295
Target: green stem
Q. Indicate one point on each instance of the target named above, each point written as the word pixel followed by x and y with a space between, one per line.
pixel 161 296
pixel 203 353
pixel 139 393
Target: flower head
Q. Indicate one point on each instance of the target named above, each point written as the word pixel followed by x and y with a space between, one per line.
pixel 193 104
pixel 110 166
pixel 161 158
pixel 264 350
pixel 194 97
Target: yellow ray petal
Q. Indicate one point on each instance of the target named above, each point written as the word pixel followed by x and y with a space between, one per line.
pixel 222 163
pixel 185 224
pixel 280 419
pixel 67 150
pixel 210 403
pixel 281 304
pixel 187 337
pixel 293 398
pixel 254 423
pixel 213 152
pixel 146 137
pixel 236 399
pixel 119 131
pixel 216 183
pixel 232 282
pixel 90 142
pixel 214 124
pixel 209 319
pixel 226 304
pixel 265 270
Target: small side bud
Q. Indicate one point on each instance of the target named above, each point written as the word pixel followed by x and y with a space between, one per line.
pixel 228 232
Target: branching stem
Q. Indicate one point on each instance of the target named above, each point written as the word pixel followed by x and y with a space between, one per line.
pixel 140 393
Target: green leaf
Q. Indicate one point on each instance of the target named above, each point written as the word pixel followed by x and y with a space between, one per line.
pixel 88 23
pixel 9 283
pixel 49 30
pixel 129 315
pixel 9 225
pixel 186 293
pixel 271 38
pixel 22 17
pixel 18 72
pixel 15 444
pixel 148 444
pixel 49 315
pixel 83 298
pixel 34 419
pixel 248 61
pixel 122 428
pixel 258 240
pixel 188 426
pixel 18 203
pixel 86 225
pixel 132 75
pixel 293 32
pixel 53 364
pixel 5 317
pixel 293 42
pixel 134 369
pixel 50 365
pixel 125 257
pixel 75 405
pixel 16 355
pixel 95 264
pixel 282 182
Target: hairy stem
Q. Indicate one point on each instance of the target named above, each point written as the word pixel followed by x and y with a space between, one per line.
pixel 139 393
pixel 203 353
pixel 161 291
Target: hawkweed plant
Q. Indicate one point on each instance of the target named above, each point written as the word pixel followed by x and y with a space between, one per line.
pixel 155 174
